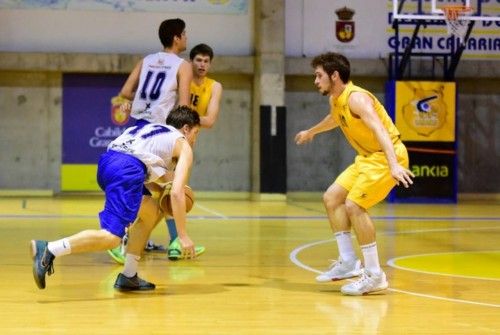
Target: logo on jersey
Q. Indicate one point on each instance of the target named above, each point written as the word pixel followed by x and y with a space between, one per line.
pixel 344 26
pixel 426 111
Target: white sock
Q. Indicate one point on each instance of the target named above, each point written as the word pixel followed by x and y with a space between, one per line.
pixel 131 265
pixel 60 247
pixel 344 243
pixel 370 255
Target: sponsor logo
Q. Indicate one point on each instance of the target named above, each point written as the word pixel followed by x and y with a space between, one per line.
pixel 436 171
pixel 426 111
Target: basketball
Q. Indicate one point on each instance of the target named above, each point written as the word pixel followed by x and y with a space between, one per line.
pixel 166 205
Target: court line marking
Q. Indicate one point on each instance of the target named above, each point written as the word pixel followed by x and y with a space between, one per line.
pixel 392 263
pixel 219 215
pixel 296 251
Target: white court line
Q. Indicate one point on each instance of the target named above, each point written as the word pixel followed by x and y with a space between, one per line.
pixel 296 251
pixel 222 216
pixel 392 263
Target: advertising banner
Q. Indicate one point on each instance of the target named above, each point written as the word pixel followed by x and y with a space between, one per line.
pixel 90 122
pixel 425 115
pixel 191 6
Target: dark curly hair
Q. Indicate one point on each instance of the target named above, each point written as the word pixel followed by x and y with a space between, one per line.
pixel 332 62
pixel 183 115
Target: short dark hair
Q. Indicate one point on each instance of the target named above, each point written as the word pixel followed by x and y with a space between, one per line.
pixel 331 62
pixel 183 115
pixel 201 49
pixel 169 29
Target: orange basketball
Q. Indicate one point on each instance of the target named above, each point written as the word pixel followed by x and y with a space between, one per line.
pixel 166 205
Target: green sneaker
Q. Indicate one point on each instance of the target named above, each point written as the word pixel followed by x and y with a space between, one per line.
pixel 118 253
pixel 174 250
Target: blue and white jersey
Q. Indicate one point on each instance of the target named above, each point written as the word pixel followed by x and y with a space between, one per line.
pixel 156 94
pixel 152 143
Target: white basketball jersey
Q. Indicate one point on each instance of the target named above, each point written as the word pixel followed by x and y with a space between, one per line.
pixel 152 143
pixel 156 94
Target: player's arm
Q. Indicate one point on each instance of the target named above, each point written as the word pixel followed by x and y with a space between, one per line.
pixel 126 95
pixel 213 107
pixel 184 77
pixel 130 87
pixel 305 136
pixel 184 155
pixel 361 104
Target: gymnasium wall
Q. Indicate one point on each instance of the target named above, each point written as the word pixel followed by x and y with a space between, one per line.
pixel 32 65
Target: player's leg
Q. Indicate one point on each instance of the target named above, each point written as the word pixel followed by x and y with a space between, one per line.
pixel 347 265
pixel 121 177
pixel 138 234
pixel 43 253
pixel 373 278
pixel 370 188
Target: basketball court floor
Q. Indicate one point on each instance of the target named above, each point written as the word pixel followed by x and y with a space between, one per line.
pixel 257 275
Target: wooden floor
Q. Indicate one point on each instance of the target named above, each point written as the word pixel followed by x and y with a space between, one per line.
pixel 257 276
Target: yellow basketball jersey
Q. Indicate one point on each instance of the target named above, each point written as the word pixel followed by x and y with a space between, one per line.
pixel 361 137
pixel 200 95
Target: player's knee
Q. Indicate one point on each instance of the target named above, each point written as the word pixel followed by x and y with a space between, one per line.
pixel 110 240
pixel 352 208
pixel 149 211
pixel 331 200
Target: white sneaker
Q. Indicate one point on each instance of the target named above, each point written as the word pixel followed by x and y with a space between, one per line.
pixel 341 269
pixel 367 283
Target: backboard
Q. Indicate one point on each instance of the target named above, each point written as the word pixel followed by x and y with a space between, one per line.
pixel 481 10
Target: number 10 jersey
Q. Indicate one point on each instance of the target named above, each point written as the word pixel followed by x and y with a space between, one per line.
pixel 156 94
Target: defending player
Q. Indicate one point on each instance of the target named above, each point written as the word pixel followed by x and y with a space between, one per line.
pixel 143 154
pixel 205 99
pixel 380 164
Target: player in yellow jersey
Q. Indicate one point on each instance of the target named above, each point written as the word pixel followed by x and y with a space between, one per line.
pixel 206 95
pixel 380 164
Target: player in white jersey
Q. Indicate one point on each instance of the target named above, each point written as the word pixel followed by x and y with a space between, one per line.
pixel 160 80
pixel 156 84
pixel 157 92
pixel 141 157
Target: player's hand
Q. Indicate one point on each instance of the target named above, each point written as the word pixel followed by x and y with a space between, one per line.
pixel 187 247
pixel 305 136
pixel 124 103
pixel 126 107
pixel 402 175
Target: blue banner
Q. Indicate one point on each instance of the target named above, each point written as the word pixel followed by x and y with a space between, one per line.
pixel 90 122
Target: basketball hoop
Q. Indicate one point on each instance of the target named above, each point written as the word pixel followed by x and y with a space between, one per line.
pixel 453 16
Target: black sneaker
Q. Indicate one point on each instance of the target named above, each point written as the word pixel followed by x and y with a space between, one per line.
pixel 124 283
pixel 152 247
pixel 42 262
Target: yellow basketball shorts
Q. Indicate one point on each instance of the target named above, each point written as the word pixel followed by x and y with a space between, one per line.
pixel 368 180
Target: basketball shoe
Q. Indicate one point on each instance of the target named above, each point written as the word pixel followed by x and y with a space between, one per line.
pixel 124 283
pixel 118 253
pixel 174 250
pixel 341 269
pixel 42 262
pixel 367 283
pixel 152 247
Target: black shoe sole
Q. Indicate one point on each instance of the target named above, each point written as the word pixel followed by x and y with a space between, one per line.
pixel 130 289
pixel 33 250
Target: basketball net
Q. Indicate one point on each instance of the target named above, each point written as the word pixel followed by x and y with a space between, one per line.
pixel 455 24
